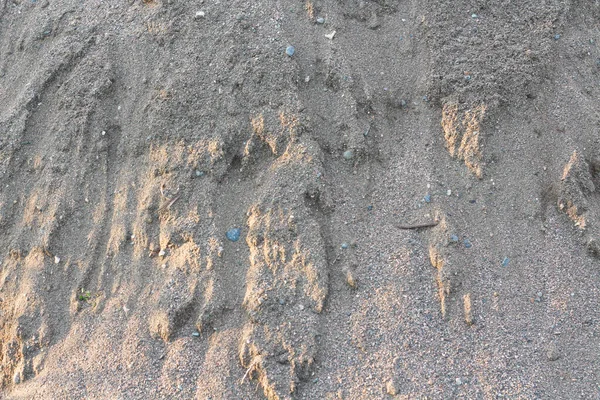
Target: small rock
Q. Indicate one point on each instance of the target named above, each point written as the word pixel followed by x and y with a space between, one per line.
pixel 56 259
pixel 199 15
pixel 290 50
pixel 391 389
pixel 330 35
pixel 458 381
pixel 199 173
pixel 348 155
pixel 234 234
pixel 345 245
pixel 373 22
pixel 557 36
pixel 449 192
pixel 17 378
pixel 351 279
pixel 369 208
pixel 161 253
pixel 427 198
pixel 320 20
pixel 454 238
pixel 505 261
pixel 467 243
pixel 195 334
pixel 473 15
pixel 553 354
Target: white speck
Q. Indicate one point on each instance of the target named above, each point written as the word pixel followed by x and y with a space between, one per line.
pixel 199 14
pixel 56 259
pixel 449 192
pixel 330 35
pixel 428 186
pixel 87 200
pixel 307 79
pixel 103 133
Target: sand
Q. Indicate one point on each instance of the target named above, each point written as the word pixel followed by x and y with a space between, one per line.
pixel 418 197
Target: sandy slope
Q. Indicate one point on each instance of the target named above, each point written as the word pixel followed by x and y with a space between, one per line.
pixel 134 136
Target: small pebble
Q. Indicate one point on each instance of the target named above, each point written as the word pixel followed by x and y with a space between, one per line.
pixel 449 192
pixel 553 353
pixel 195 334
pixel 391 388
pixel 161 253
pixel 320 20
pixel 234 234
pixel 330 36
pixel 345 245
pixel 556 37
pixel 454 238
pixel 427 198
pixel 473 15
pixel 199 173
pixel 56 259
pixel 369 208
pixel 199 14
pixel 290 50
pixel 17 378
pixel 348 155
pixel 467 243
pixel 505 261
pixel 458 381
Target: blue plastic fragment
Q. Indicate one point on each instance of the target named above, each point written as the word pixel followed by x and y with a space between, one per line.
pixel 344 245
pixel 454 238
pixel 505 261
pixel 467 243
pixel 290 50
pixel 427 198
pixel 557 36
pixel 234 234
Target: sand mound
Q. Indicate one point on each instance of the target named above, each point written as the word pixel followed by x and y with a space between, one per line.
pixel 405 207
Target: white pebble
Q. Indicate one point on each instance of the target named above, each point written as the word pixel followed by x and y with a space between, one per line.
pixel 449 192
pixel 199 14
pixel 161 253
pixel 330 35
pixel 56 259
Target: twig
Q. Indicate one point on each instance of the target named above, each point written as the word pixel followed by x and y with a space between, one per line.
pixel 418 226
pixel 168 205
pixel 249 369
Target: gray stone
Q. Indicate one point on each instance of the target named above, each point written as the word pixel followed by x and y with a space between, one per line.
pixel 552 354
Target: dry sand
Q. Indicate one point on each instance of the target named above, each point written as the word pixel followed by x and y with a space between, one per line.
pixel 134 135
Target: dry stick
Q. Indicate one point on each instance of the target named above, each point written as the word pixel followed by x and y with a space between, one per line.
pixel 417 226
pixel 248 370
pixel 168 206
